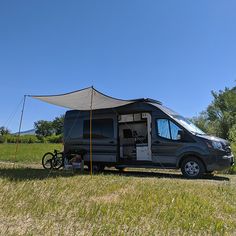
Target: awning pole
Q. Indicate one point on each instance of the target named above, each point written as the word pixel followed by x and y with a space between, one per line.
pixel 19 131
pixel 91 118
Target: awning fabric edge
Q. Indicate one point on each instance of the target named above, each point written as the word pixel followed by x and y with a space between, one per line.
pixel 81 100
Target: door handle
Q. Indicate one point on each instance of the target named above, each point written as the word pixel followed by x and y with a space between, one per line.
pixel 112 142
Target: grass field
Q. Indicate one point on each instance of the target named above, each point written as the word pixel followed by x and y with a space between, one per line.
pixel 34 201
pixel 27 153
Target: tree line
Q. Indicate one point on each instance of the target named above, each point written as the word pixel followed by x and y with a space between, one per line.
pixel 45 128
pixel 45 131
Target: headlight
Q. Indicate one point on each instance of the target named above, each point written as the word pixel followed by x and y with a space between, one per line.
pixel 217 145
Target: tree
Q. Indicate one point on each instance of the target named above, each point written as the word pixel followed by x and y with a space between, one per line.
pixel 220 116
pixel 4 130
pixel 57 124
pixel 232 134
pixel 201 121
pixel 43 128
pixel 222 111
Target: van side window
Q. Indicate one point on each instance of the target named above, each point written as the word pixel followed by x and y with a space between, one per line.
pixel 167 129
pixel 163 129
pixel 101 129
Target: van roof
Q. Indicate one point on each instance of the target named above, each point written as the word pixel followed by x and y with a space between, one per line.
pixel 149 100
pixel 165 109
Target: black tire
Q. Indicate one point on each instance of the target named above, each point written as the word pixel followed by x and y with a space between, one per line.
pixel 97 168
pixel 192 168
pixel 101 168
pixel 47 160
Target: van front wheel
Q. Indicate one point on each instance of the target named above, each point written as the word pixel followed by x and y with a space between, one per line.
pixel 192 168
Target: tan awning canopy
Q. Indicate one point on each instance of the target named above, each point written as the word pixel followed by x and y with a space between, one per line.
pixel 81 100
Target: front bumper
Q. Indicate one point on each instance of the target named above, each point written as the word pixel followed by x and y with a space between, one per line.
pixel 221 162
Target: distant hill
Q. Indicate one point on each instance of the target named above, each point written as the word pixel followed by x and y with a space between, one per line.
pixel 30 132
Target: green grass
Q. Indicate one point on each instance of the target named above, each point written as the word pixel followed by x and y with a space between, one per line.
pixel 27 153
pixel 36 202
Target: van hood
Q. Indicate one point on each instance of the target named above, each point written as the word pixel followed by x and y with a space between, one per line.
pixel 213 138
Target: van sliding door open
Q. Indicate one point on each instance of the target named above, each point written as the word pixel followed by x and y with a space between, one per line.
pixel 135 137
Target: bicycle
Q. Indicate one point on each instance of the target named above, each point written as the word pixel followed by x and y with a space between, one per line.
pixel 53 160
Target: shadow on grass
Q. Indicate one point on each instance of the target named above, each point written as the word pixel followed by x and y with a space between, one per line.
pixel 29 173
pixel 21 174
pixel 169 175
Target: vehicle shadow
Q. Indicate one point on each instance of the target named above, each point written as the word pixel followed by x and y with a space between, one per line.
pixel 30 173
pixel 170 175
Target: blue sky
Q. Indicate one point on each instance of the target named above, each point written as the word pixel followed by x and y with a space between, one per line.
pixel 172 51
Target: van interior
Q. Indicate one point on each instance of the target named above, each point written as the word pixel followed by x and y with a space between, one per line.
pixel 135 137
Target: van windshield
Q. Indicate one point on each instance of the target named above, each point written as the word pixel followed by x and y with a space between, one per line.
pixel 187 124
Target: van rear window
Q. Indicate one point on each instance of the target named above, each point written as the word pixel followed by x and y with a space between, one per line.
pixel 101 129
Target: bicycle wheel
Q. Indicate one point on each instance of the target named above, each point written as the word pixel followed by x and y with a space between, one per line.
pixel 47 160
pixel 57 161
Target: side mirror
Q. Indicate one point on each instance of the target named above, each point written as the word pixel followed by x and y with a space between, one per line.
pixel 180 134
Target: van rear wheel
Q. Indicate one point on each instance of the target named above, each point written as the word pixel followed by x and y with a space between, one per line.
pixel 192 168
pixel 97 168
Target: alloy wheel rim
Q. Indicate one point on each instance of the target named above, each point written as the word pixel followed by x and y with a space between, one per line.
pixel 192 168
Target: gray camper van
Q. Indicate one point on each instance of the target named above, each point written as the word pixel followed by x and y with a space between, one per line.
pixel 145 134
